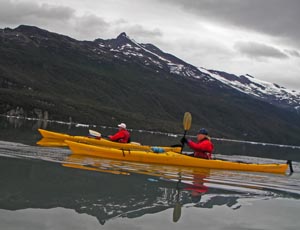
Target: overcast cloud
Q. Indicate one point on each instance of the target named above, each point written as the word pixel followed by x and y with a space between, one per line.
pixel 294 53
pixel 261 38
pixel 278 18
pixel 15 12
pixel 259 51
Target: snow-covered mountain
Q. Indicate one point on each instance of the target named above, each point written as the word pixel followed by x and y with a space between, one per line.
pixel 126 49
pixel 45 74
pixel 270 92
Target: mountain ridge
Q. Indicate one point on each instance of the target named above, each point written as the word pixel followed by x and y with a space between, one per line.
pixel 114 80
pixel 269 92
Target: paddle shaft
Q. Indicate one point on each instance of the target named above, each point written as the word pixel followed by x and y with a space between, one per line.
pixel 183 143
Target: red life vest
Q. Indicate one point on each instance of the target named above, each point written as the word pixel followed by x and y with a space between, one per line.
pixel 202 149
pixel 122 136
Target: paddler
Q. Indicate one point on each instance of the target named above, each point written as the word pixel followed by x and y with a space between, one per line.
pixel 203 148
pixel 122 136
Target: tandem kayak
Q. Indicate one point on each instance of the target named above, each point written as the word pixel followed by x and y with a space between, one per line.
pixel 171 158
pixel 55 139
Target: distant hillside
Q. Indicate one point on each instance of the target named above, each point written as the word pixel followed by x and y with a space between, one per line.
pixel 49 75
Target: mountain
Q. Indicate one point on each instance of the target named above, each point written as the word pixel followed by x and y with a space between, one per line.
pixel 154 57
pixel 53 76
pixel 262 90
pixel 157 59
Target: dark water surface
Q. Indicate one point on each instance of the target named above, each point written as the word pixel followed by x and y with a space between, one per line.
pixel 46 188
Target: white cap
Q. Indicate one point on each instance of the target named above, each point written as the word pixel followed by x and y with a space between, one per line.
pixel 122 125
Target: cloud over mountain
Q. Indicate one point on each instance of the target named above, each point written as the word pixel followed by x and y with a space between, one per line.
pixel 11 12
pixel 274 17
pixel 259 50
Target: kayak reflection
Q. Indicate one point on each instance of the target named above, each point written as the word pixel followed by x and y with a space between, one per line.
pixel 197 189
pixel 109 189
pixel 187 184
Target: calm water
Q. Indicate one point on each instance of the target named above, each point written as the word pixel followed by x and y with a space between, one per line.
pixel 46 188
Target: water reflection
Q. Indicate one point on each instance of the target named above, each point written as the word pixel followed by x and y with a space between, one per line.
pixel 112 190
pixel 18 122
pixel 109 190
pixel 109 194
pixel 159 172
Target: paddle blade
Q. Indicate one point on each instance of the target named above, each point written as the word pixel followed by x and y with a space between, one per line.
pixel 176 212
pixel 187 121
pixel 95 134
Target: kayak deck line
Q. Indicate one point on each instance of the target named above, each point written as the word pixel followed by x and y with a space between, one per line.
pixel 171 158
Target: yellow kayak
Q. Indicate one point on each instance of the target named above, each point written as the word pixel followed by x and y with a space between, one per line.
pixel 170 158
pixel 55 139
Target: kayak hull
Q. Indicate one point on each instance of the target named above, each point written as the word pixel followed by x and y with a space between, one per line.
pixel 171 158
pixel 55 139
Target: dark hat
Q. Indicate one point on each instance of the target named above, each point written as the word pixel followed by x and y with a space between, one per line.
pixel 203 131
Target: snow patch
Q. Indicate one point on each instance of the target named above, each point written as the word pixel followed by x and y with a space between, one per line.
pixel 257 88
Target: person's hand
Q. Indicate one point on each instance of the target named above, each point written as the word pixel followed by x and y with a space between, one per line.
pixel 183 140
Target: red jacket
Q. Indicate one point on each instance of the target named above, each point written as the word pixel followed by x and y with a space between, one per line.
pixel 122 136
pixel 202 149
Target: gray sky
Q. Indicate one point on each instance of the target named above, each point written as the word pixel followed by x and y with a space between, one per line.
pixel 258 37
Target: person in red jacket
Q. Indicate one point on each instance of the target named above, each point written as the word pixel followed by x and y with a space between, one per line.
pixel 203 148
pixel 122 135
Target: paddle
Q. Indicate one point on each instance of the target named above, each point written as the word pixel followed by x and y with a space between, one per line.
pixel 187 121
pixel 96 135
pixel 177 212
pixel 177 207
